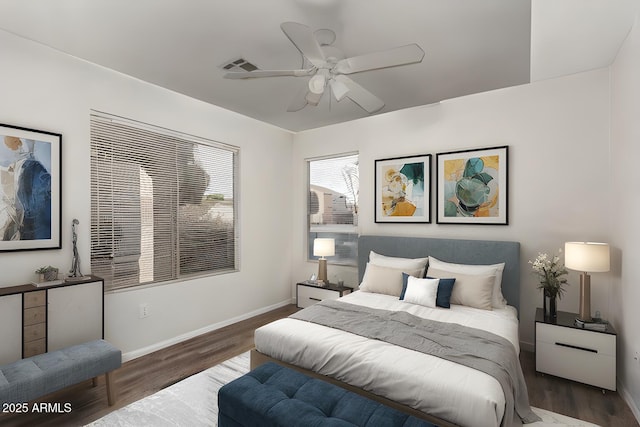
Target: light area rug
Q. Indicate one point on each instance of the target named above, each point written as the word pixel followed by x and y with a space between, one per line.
pixel 193 402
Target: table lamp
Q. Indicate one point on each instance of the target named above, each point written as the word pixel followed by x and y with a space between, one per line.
pixel 586 257
pixel 322 248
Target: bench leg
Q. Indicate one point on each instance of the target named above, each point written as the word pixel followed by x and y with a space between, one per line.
pixel 111 388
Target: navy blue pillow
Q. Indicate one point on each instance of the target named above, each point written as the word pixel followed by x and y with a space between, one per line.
pixel 405 279
pixel 445 287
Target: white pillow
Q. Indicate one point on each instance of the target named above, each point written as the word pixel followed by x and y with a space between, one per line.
pixel 472 290
pixel 395 262
pixel 384 280
pixel 497 300
pixel 422 291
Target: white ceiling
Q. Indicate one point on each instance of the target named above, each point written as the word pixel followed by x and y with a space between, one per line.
pixel 470 46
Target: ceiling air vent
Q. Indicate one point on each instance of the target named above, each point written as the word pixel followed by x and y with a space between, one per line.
pixel 239 64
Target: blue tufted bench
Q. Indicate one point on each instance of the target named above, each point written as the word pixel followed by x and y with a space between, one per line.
pixel 272 395
pixel 33 377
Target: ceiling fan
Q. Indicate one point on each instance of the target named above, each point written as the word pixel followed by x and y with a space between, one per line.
pixel 326 66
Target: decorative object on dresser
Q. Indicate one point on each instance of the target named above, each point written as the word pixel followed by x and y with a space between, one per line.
pixel 30 167
pixel 550 272
pixel 472 186
pixel 308 293
pixel 323 247
pixel 75 262
pixel 402 189
pixel 586 257
pixel 566 350
pixel 47 273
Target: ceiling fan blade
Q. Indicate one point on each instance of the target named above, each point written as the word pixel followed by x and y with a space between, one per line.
pixel 403 55
pixel 267 73
pixel 338 89
pixel 360 95
pixel 302 37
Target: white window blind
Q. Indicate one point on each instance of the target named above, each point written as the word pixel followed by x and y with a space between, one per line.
pixel 163 204
pixel 332 205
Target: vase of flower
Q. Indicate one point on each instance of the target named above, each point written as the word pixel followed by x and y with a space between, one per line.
pixel 549 306
pixel 550 272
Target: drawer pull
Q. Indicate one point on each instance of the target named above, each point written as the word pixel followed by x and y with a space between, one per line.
pixel 315 299
pixel 577 347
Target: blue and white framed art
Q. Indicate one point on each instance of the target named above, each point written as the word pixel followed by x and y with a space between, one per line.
pixel 30 189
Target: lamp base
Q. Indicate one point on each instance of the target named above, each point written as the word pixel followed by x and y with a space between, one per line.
pixel 322 270
pixel 585 298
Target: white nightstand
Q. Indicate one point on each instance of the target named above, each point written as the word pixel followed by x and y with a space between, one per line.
pixel 310 293
pixel 567 351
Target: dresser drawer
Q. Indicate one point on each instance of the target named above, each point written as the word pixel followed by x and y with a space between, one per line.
pixel 34 299
pixel 591 341
pixel 34 332
pixel 308 295
pixel 34 315
pixel 35 347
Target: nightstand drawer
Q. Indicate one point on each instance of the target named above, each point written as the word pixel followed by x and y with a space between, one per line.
pixel 582 355
pixel 578 365
pixel 589 341
pixel 308 295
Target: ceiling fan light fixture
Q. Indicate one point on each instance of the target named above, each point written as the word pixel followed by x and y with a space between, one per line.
pixel 316 84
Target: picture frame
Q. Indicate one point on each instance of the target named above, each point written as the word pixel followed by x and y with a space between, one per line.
pixel 472 186
pixel 403 189
pixel 30 189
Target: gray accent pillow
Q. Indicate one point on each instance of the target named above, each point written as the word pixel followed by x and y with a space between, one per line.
pixel 470 290
pixel 385 280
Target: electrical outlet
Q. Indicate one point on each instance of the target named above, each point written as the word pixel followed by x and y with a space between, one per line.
pixel 636 356
pixel 145 310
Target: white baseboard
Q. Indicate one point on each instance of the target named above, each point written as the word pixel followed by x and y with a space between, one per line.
pixel 622 390
pixel 175 340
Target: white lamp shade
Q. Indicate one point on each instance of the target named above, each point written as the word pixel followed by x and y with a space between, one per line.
pixel 588 257
pixel 324 247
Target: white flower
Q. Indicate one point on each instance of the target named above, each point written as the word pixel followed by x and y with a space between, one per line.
pixel 549 270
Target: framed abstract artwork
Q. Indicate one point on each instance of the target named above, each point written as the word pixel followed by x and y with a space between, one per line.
pixel 402 189
pixel 472 186
pixel 30 189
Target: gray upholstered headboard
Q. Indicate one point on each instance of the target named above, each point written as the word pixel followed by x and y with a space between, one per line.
pixel 450 250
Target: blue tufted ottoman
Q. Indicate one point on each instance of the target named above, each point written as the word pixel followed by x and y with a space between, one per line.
pixel 272 395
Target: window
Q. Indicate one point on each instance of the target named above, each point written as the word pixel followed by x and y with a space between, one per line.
pixel 332 205
pixel 163 204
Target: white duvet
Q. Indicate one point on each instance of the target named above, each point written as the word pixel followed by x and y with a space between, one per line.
pixel 452 392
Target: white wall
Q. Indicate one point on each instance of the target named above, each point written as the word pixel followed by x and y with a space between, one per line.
pixel 558 137
pixel 566 182
pixel 624 207
pixel 46 90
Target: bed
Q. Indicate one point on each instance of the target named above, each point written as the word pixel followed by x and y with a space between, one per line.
pixel 424 385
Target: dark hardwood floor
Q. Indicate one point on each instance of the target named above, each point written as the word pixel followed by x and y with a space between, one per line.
pixel 148 374
pixel 574 399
